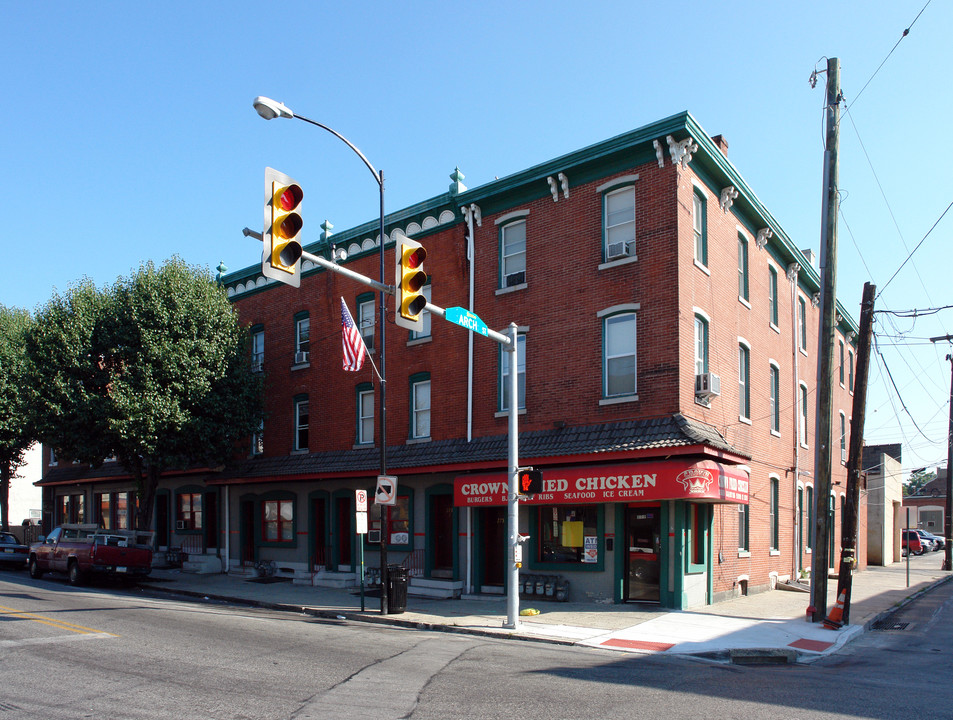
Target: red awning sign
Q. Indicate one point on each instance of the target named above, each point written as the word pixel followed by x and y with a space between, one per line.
pixel 704 480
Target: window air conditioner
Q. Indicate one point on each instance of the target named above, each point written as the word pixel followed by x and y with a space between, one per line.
pixel 515 279
pixel 707 385
pixel 180 524
pixel 302 356
pixel 617 250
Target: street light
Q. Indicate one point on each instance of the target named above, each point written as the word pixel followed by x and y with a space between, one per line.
pixel 270 109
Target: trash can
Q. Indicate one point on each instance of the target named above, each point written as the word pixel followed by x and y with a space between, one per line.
pixel 396 589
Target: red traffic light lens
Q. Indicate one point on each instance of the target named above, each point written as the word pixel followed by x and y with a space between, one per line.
pixel 288 198
pixel 416 258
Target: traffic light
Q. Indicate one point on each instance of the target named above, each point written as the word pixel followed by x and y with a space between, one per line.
pixel 281 254
pixel 530 481
pixel 410 282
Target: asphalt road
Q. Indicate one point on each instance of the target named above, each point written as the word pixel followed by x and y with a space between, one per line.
pixel 106 652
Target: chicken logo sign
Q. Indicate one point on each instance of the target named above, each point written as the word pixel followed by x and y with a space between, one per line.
pixel 695 481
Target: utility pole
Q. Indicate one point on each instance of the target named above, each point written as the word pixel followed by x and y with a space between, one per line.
pixel 947 520
pixel 820 561
pixel 848 557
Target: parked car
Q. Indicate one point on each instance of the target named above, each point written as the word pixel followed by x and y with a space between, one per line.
pixel 83 550
pixel 929 544
pixel 911 543
pixel 13 553
pixel 938 542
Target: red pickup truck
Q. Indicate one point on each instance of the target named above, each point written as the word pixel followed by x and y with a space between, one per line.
pixel 84 550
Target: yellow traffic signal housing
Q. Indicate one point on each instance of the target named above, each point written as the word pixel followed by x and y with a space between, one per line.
pixel 410 281
pixel 281 254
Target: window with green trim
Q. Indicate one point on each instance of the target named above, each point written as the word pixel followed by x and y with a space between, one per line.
pixel 772 296
pixel 802 324
pixel 742 267
pixel 365 318
pixel 744 381
pixel 301 422
pixel 424 331
pixel 618 220
pixel 700 226
pixel 504 379
pixel 365 414
pixel 701 345
pixel 513 253
pixel 563 530
pixel 277 521
pixel 257 334
pixel 302 324
pixel 696 526
pixel 188 511
pixel 420 406
pixel 775 382
pixel 744 525
pixel 774 516
pixel 619 355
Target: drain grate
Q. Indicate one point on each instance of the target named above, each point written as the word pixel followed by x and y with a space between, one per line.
pixel 890 625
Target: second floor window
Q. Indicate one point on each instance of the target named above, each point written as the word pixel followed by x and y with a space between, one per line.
pixel 424 318
pixel 301 423
pixel 505 360
pixel 513 253
pixel 420 409
pixel 619 372
pixel 744 384
pixel 773 296
pixel 701 345
pixel 802 429
pixel 742 267
pixel 775 399
pixel 802 324
pixel 700 223
pixel 365 416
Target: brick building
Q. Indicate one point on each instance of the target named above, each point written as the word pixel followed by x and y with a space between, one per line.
pixel 667 361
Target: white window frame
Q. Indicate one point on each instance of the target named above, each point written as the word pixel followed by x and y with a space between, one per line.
pixel 366 323
pixel 504 378
pixel 612 317
pixel 365 417
pixel 425 327
pixel 744 381
pixel 299 426
pixel 774 396
pixel 420 414
pixel 615 223
pixel 257 350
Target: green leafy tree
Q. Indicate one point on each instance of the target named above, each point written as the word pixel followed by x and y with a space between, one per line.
pixel 15 433
pixel 152 371
pixel 918 478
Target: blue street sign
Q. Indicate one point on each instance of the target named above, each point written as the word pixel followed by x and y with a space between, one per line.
pixel 465 318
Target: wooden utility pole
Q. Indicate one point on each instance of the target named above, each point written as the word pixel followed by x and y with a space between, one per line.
pixel 820 561
pixel 848 555
pixel 948 513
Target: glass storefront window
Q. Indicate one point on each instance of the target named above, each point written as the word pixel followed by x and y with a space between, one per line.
pixel 563 530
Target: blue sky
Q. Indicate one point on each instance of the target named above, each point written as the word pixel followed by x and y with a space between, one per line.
pixel 128 132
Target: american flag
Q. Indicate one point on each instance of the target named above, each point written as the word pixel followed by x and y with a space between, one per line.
pixel 355 351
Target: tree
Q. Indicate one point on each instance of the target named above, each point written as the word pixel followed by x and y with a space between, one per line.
pixel 15 435
pixel 152 371
pixel 918 478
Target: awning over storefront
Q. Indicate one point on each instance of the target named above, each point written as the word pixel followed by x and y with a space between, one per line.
pixel 704 480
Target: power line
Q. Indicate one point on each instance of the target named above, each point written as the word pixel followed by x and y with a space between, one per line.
pixel 942 215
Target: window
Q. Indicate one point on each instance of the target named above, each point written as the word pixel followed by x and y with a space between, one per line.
pixel 365 415
pixel 744 523
pixel 71 509
pixel 850 370
pixel 399 521
pixel 505 358
pixel 775 399
pixel 744 381
pixel 103 511
pixel 189 511
pixel 513 253
pixel 772 296
pixel 700 223
pixel 420 407
pixel 302 338
pixel 257 348
pixel 843 438
pixel 301 422
pixel 424 318
pixel 112 510
pixel 802 416
pixel 802 324
pixel 701 345
pixel 774 514
pixel 563 530
pixel 619 367
pixel 258 439
pixel 365 319
pixel 742 267
pixel 809 535
pixel 619 223
pixel 277 520
pixel 840 368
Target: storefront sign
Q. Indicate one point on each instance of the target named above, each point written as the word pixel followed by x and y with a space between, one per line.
pixel 636 482
pixel 591 549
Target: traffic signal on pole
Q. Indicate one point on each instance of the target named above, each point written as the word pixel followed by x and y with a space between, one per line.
pixel 410 282
pixel 530 481
pixel 281 254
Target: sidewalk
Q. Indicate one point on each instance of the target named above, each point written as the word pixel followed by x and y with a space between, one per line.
pixel 766 627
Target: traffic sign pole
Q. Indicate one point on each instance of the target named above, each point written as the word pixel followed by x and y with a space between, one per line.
pixel 513 591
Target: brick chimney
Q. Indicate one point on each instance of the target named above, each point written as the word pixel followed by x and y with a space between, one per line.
pixel 722 144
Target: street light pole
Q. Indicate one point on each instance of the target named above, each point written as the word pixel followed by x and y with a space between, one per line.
pixel 270 109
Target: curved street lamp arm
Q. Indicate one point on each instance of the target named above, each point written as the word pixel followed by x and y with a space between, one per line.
pixel 346 142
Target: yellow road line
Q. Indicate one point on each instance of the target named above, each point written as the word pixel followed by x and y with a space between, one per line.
pixel 61 624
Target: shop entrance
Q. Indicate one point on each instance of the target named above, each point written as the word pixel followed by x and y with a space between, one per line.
pixel 642 557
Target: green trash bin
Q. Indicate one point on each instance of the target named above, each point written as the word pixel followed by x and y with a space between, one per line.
pixel 396 589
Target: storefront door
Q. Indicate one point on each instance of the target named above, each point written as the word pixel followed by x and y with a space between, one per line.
pixel 492 544
pixel 642 556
